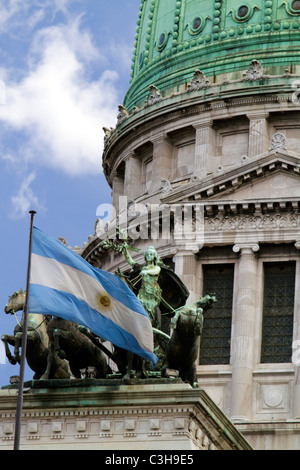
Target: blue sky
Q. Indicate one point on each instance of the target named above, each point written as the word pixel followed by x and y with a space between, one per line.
pixel 64 68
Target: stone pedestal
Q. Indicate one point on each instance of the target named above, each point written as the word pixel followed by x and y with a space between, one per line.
pixel 159 414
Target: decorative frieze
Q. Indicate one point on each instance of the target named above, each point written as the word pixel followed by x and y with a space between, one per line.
pixel 113 424
pixel 254 222
pixel 120 417
pixel 213 90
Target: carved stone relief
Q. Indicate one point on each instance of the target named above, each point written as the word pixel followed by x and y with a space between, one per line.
pixel 255 71
pixel 273 397
pixel 241 223
pixel 278 141
pixel 154 96
pixel 123 114
pixel 198 82
pixel 100 426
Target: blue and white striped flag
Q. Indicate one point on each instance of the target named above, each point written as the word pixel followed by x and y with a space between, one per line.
pixel 65 285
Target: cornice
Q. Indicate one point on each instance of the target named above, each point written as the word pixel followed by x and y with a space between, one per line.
pixel 180 110
pixel 77 405
pixel 225 221
pixel 225 89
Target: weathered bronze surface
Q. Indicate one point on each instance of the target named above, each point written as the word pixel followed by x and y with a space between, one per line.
pixel 37 341
pixel 183 348
pixel 68 342
pixel 61 349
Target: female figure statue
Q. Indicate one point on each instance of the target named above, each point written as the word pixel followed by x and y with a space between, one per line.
pixel 150 293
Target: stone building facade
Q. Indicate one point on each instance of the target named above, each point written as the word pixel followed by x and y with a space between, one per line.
pixel 90 415
pixel 211 124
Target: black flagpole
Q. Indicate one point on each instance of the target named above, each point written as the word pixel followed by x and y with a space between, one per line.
pixel 24 345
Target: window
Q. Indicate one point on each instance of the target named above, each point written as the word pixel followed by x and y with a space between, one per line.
pixel 278 311
pixel 216 334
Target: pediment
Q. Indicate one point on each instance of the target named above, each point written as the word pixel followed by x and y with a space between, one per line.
pixel 275 174
pixel 279 184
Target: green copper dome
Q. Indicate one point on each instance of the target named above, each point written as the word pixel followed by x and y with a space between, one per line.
pixel 219 37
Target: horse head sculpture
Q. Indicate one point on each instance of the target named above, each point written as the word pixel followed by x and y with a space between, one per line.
pixel 183 348
pixel 37 340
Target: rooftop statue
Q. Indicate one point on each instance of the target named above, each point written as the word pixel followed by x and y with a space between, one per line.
pixel 68 340
pixel 37 340
pixel 159 290
pixel 183 348
pixel 162 293
pixel 155 284
pixel 150 292
pixel 57 348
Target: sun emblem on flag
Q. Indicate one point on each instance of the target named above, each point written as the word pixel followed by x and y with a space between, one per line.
pixel 103 301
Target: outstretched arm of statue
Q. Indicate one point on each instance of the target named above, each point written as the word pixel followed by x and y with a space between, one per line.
pixel 127 255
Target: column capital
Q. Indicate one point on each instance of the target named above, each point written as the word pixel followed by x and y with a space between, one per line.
pixel 158 138
pixel 113 174
pixel 191 250
pixel 258 115
pixel 129 154
pixel 203 123
pixel 246 248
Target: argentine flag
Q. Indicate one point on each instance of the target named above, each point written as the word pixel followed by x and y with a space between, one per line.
pixel 63 284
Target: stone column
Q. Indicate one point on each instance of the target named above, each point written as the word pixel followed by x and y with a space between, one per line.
pixel 133 173
pixel 243 332
pixel 163 160
pixel 204 148
pixel 186 267
pixel 296 341
pixel 117 189
pixel 258 133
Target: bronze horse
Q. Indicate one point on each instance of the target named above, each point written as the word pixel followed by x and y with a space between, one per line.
pixel 183 348
pixel 68 340
pixel 56 348
pixel 37 340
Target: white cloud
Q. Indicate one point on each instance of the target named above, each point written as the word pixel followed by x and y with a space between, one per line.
pixel 13 12
pixel 79 42
pixel 59 107
pixel 2 92
pixel 25 198
pixel 8 9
